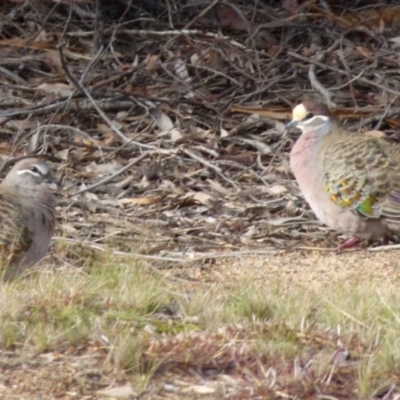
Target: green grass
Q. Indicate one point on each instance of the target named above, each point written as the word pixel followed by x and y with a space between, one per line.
pixel 147 321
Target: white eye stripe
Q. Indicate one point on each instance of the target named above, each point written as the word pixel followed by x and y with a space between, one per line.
pixel 314 119
pixel 315 123
pixel 24 171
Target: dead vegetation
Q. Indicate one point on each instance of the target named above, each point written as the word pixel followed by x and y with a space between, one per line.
pixel 179 111
pixel 165 120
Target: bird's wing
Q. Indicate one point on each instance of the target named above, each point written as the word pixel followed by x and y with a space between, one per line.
pixel 362 174
pixel 15 237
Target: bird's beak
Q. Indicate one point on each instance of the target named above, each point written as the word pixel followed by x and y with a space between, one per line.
pixel 49 178
pixel 292 124
pixel 52 182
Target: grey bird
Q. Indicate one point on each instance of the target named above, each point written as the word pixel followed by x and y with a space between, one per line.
pixel 350 180
pixel 27 214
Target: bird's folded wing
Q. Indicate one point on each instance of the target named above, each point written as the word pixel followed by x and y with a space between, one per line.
pixel 363 175
pixel 15 236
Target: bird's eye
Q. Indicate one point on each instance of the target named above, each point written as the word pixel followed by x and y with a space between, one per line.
pixel 309 116
pixel 35 169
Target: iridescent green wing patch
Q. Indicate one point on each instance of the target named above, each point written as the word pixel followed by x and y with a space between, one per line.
pixel 352 193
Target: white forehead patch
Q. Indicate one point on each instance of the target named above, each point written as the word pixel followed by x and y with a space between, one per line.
pixel 299 112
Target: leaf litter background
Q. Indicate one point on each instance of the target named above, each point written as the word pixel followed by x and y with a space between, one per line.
pixel 177 110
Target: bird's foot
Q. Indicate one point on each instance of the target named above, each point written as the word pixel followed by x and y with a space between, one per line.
pixel 349 243
pixel 385 240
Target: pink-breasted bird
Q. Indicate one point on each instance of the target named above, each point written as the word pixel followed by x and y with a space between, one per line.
pixel 350 180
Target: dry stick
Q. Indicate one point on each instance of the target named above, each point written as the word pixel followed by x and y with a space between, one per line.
pixel 65 128
pixel 384 115
pixel 83 90
pixel 198 256
pixel 346 67
pixel 385 248
pixel 122 170
pixel 204 12
pixel 107 105
pixel 341 72
pixel 83 76
pixel 313 76
pixel 101 84
pixel 390 112
pixel 209 165
pixel 185 32
pixel 281 144
pixel 91 64
pixel 13 76
pixel 317 85
pixel 114 175
pixel 88 146
pixel 19 87
pixel 66 25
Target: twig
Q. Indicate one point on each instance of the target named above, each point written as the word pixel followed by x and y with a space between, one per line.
pixel 189 259
pixel 388 113
pixel 384 115
pixel 88 146
pixel 204 12
pixel 317 85
pixel 13 76
pixel 208 165
pixel 107 104
pixel 185 32
pixel 385 248
pixel 83 90
pixel 341 72
pixel 122 170
pixel 346 67
pixel 63 128
pixel 114 175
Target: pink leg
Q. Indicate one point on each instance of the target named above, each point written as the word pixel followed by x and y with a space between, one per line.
pixel 349 243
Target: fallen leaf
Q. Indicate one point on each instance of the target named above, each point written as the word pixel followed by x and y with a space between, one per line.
pixel 277 189
pixel 104 169
pixel 378 134
pixel 162 120
pixel 61 89
pixel 202 198
pixel 181 70
pixel 120 392
pixel 141 200
pixel 260 146
pixel 199 389
pixel 276 113
pixel 63 154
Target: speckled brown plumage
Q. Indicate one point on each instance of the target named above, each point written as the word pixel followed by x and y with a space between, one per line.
pixel 27 214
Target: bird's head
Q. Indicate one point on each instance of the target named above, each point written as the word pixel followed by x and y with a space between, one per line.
pixel 311 117
pixel 30 172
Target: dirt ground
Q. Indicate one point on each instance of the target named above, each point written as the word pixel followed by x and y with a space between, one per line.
pixel 317 268
pixel 51 375
pixel 311 269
